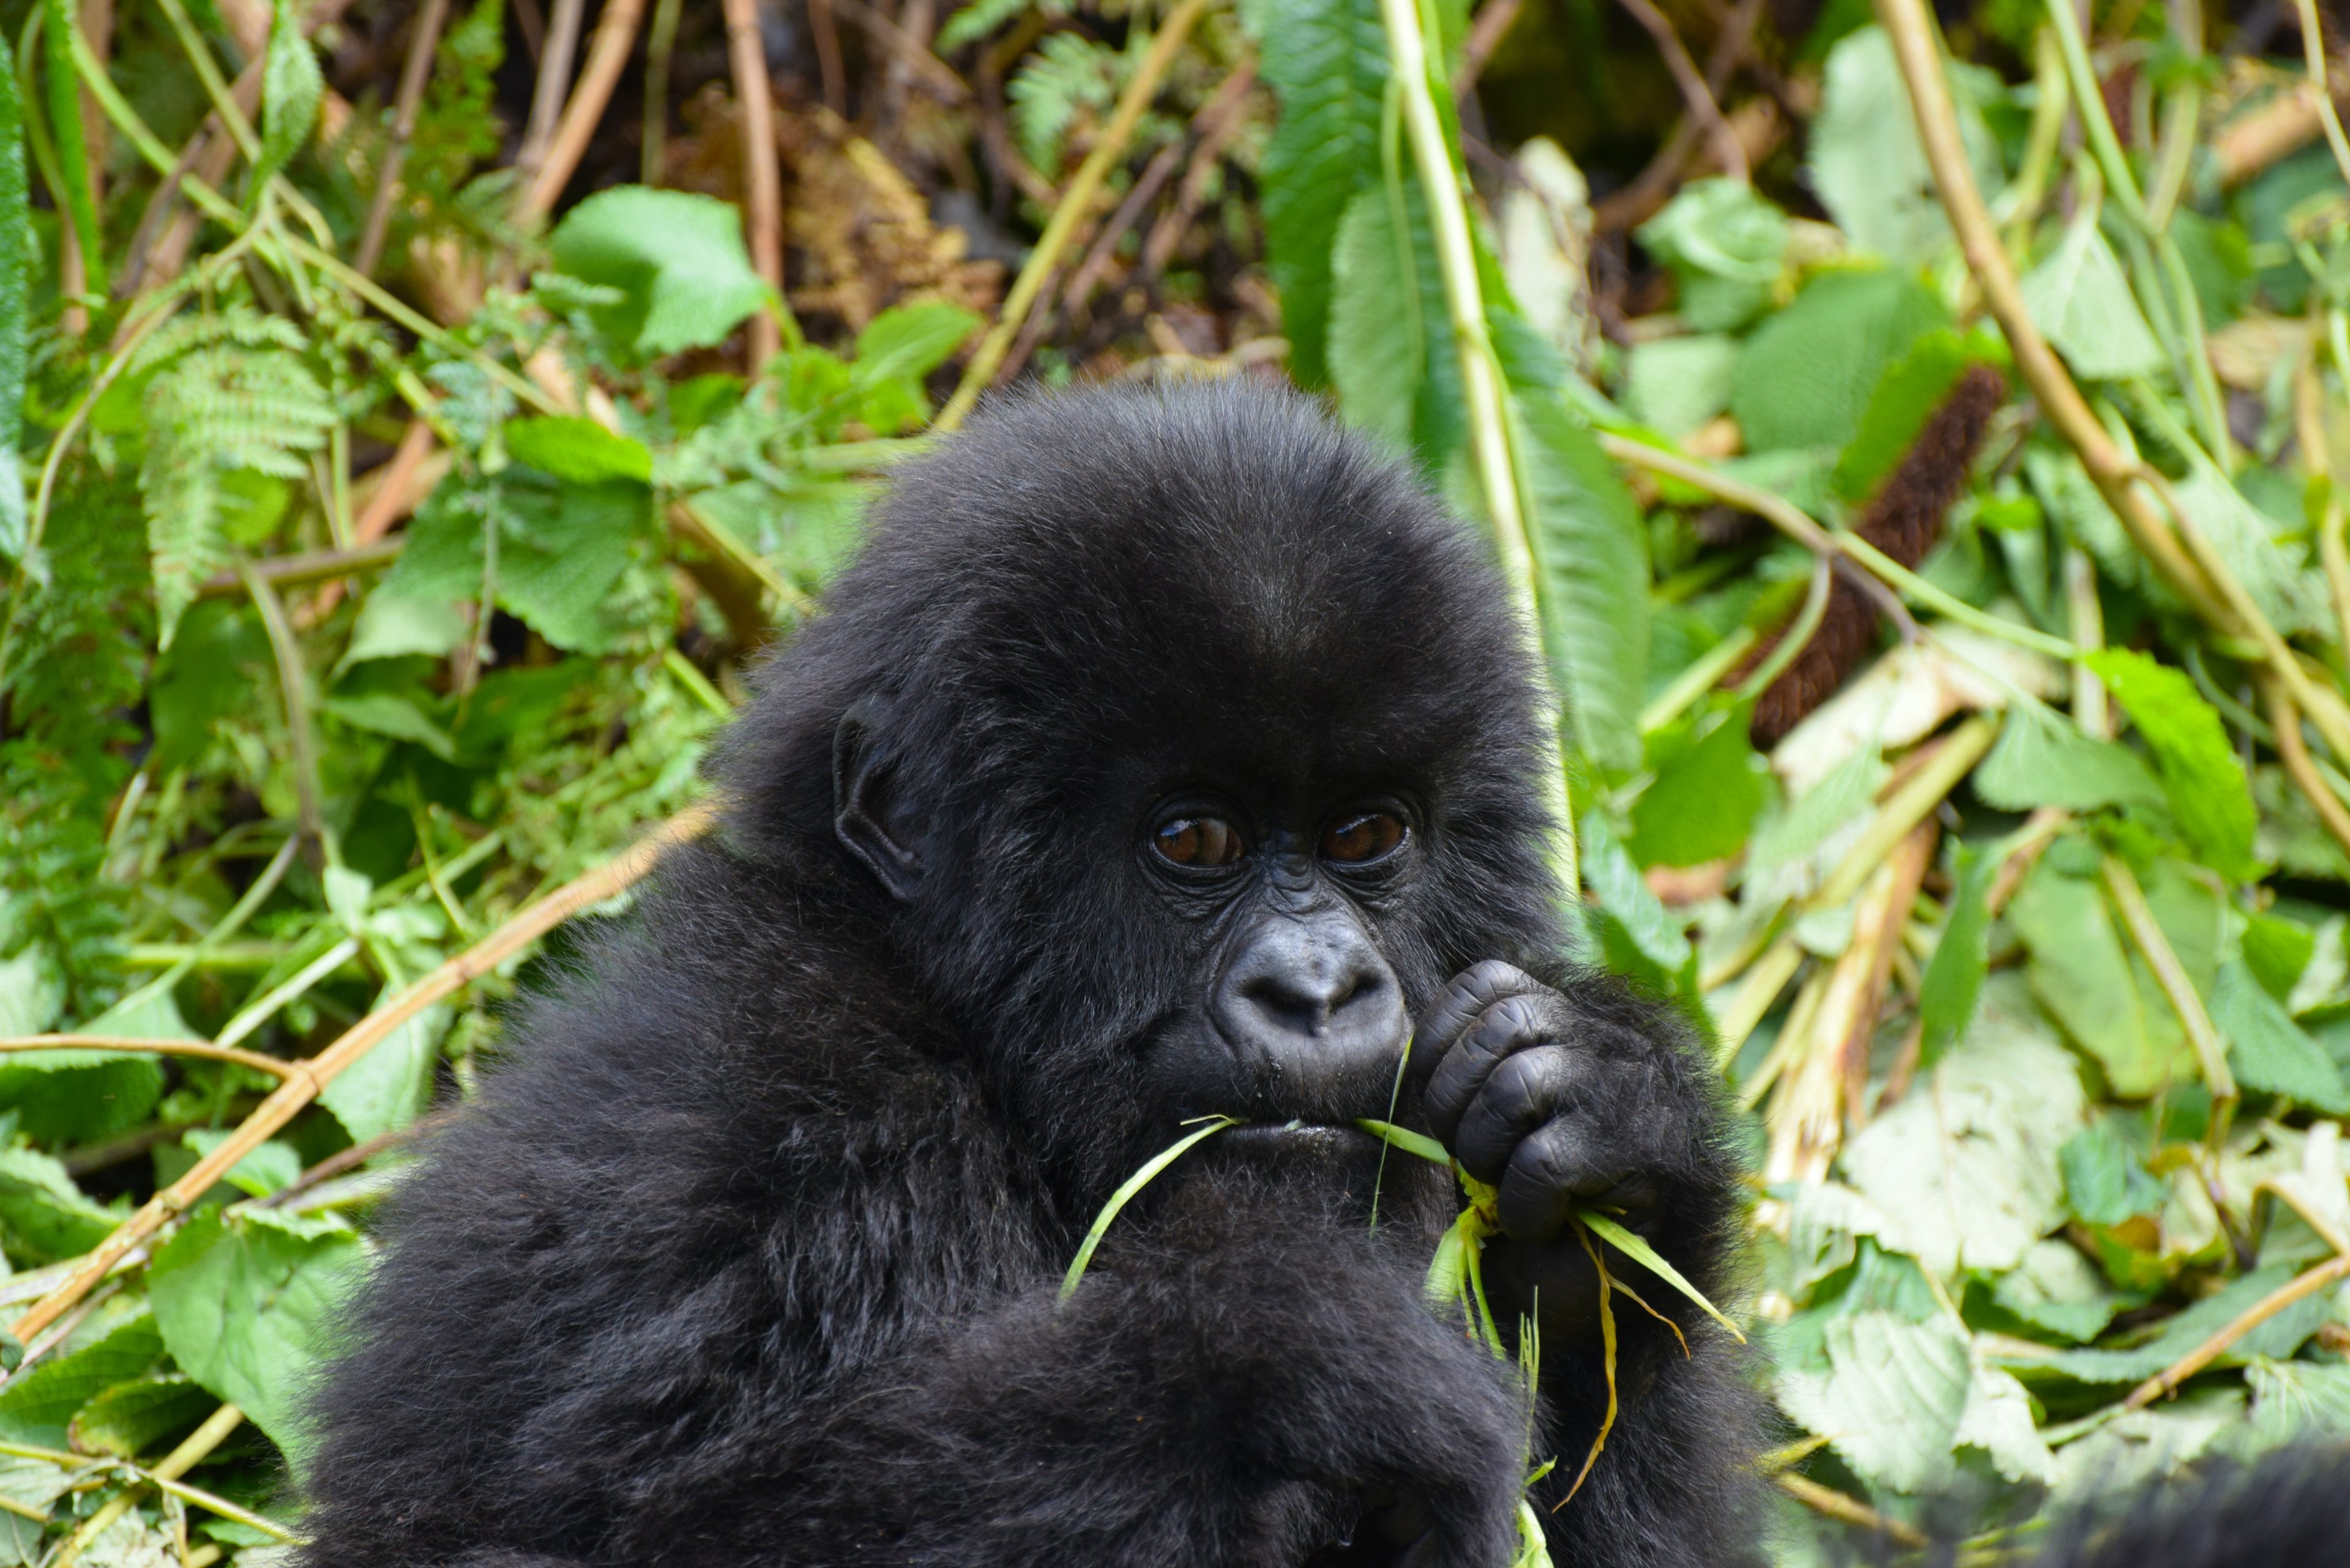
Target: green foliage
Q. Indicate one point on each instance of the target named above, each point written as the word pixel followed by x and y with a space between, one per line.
pixel 1726 247
pixel 1070 74
pixel 2210 795
pixel 1326 62
pixel 1808 373
pixel 677 259
pixel 1591 554
pixel 290 90
pixel 17 267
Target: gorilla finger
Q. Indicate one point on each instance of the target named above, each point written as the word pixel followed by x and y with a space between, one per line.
pixel 1462 1000
pixel 1555 1168
pixel 1509 1026
pixel 1523 1091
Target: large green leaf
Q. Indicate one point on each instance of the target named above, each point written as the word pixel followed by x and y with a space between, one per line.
pixel 2085 977
pixel 2210 795
pixel 560 549
pixel 2041 759
pixel 677 258
pixel 1709 785
pixel 1808 373
pixel 1725 246
pixel 130 1419
pixel 1867 163
pixel 57 25
pixel 2268 1050
pixel 1899 1396
pixel 390 1086
pixel 42 1213
pixel 1378 349
pixel 1591 559
pixel 1326 61
pixel 250 1307
pixel 16 266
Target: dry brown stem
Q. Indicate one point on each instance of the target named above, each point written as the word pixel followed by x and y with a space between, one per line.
pixel 424 36
pixel 1215 123
pixel 307 567
pixel 826 34
pixel 907 52
pixel 1837 1505
pixel 616 33
pixel 1697 95
pixel 295 1093
pixel 1485 35
pixel 561 43
pixel 761 180
pixel 2167 1381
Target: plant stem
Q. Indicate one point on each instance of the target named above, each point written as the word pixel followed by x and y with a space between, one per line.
pixel 659 40
pixel 1491 436
pixel 415 72
pixel 2138 917
pixel 2312 48
pixel 616 33
pixel 763 182
pixel 2306 1284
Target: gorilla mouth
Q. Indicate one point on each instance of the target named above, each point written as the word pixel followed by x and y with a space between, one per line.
pixel 1300 1137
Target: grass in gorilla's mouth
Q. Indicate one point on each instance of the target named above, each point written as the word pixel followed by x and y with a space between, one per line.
pixel 1456 1279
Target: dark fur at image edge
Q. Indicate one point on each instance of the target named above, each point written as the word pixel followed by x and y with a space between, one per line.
pixel 749 1253
pixel 1903 519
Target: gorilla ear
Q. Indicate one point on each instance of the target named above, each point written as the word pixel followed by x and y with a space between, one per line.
pixel 868 811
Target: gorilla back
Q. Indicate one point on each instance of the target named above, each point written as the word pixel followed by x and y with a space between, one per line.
pixel 1164 754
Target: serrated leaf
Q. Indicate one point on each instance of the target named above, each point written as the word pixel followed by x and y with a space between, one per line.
pixel 910 341
pixel 2297 1399
pixel 2209 796
pixel 43 1214
pixel 16 266
pixel 272 1165
pixel 390 1086
pixel 1808 373
pixel 2080 298
pixel 1378 348
pixel 2041 760
pixel 2086 978
pixel 2105 1179
pixel 1591 564
pixel 678 259
pixel 36 1406
pixel 1617 884
pixel 2056 1289
pixel 1676 384
pixel 2268 1050
pixel 1068 72
pixel 252 1311
pixel 1900 1395
pixel 291 87
pixel 1725 246
pixel 980 17
pixel 1966 1173
pixel 1326 61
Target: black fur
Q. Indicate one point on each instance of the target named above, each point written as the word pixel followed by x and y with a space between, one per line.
pixel 751 1253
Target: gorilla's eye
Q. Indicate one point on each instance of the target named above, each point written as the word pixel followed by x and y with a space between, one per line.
pixel 1197 841
pixel 1352 840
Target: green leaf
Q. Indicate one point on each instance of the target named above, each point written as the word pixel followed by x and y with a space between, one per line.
pixel 897 349
pixel 1640 1252
pixel 1591 562
pixel 79 1096
pixel 1709 785
pixel 2297 1399
pixel 1867 164
pixel 561 549
pixel 1965 1172
pixel 290 90
pixel 980 17
pixel 2277 951
pixel 1068 72
pixel 2210 795
pixel 393 625
pixel 2056 1289
pixel 1677 384
pixel 2079 297
pixel 578 450
pixel 1637 937
pixel 1952 983
pixel 2041 760
pixel 1326 61
pixel 58 27
pixel 252 1309
pixel 273 1166
pixel 2288 587
pixel 1898 1397
pixel 1808 373
pixel 43 1214
pixel 1725 245
pixel 2268 1050
pixel 1378 334
pixel 37 1406
pixel 390 1086
pixel 17 268
pixel 130 1419
pixel 677 258
pixel 2082 974
pixel 2280 1335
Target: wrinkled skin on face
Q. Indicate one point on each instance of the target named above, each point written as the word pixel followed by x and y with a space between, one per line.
pixel 1166 754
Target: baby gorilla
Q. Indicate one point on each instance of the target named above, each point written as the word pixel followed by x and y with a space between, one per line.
pixel 1162 755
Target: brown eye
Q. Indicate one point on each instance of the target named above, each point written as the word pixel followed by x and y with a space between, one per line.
pixel 1352 840
pixel 1197 841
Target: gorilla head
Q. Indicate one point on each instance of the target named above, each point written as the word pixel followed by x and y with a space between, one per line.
pixel 1191 748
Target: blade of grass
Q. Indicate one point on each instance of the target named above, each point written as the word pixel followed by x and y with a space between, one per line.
pixel 1124 1195
pixel 1640 1252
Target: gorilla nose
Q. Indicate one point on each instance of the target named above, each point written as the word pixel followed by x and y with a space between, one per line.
pixel 1314 1000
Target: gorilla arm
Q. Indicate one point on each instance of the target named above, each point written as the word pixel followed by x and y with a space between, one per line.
pixel 1585 1094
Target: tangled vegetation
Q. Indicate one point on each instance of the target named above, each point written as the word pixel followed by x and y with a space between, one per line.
pixel 1913 443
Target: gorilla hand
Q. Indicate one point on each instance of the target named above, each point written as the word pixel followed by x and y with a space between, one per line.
pixel 1558 1109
